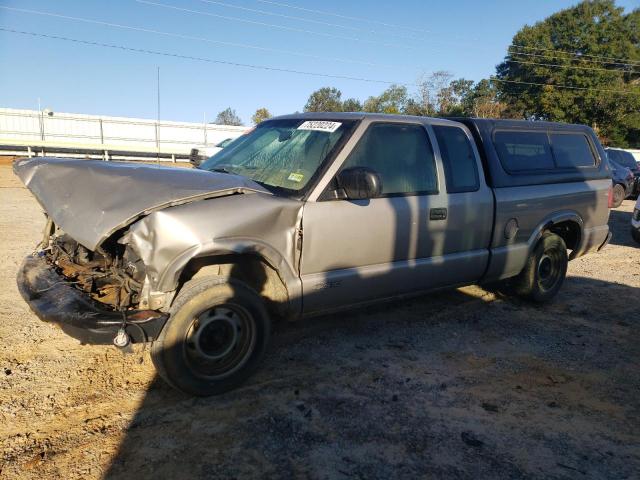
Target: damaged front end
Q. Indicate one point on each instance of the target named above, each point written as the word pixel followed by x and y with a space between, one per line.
pixel 94 296
pixel 111 275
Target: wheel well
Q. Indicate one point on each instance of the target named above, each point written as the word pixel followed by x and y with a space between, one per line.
pixel 251 269
pixel 569 231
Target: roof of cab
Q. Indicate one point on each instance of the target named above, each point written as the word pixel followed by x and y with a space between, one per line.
pixel 360 116
pixel 500 123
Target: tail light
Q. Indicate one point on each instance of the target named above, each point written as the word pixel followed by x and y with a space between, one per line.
pixel 610 196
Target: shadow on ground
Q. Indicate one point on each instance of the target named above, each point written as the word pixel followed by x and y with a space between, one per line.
pixel 449 385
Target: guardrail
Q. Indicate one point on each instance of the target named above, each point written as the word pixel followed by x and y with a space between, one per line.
pixel 32 132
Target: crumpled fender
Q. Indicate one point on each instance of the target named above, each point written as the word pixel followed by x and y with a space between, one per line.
pixel 263 225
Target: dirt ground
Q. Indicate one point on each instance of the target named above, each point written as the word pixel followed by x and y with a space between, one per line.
pixel 453 385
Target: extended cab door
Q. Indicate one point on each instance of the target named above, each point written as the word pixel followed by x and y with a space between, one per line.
pixel 415 236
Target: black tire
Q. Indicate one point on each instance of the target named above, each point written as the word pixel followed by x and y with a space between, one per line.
pixel 217 333
pixel 618 195
pixel 545 270
pixel 635 233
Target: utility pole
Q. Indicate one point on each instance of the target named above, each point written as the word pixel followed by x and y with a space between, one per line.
pixel 204 127
pixel 40 120
pixel 158 124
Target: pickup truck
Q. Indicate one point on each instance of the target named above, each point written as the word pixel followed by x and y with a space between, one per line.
pixel 306 214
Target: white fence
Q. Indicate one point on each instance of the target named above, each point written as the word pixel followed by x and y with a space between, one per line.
pixel 36 133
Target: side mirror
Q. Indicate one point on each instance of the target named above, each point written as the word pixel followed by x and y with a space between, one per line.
pixel 359 183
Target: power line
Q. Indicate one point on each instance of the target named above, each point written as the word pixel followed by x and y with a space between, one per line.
pixel 346 17
pixel 202 59
pixel 570 87
pixel 267 49
pixel 302 19
pixel 190 37
pixel 281 15
pixel 404 27
pixel 279 69
pixel 570 66
pixel 581 55
pixel 281 27
pixel 232 44
pixel 289 28
pixel 577 58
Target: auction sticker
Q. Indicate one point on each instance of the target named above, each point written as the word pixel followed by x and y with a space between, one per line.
pixel 320 126
pixel 296 177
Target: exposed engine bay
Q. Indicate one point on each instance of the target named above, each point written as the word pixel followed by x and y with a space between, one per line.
pixel 112 275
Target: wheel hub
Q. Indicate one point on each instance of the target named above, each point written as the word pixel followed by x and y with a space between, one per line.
pixel 219 341
pixel 215 334
pixel 545 267
pixel 549 271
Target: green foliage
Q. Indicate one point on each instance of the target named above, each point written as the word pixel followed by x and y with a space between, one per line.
pixel 326 99
pixel 352 105
pixel 228 117
pixel 609 98
pixel 437 95
pixel 261 115
pixel 392 100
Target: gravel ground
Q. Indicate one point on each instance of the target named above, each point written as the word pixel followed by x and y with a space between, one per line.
pixel 458 384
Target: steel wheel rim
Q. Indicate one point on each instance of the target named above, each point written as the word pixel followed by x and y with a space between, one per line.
pixel 549 270
pixel 219 341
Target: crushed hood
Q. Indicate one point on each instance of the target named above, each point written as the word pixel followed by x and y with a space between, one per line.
pixel 91 199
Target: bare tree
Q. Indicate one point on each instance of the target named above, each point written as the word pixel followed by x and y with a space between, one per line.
pixel 228 117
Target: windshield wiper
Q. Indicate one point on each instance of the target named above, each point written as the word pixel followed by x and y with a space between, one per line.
pixel 222 169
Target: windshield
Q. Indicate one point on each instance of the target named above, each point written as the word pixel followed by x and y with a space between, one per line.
pixel 623 158
pixel 281 153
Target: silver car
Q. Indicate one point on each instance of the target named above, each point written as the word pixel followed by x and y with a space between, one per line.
pixel 306 214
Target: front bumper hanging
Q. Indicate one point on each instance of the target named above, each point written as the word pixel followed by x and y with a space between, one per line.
pixel 54 299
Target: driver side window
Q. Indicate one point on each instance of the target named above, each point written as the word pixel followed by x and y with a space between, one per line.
pixel 401 154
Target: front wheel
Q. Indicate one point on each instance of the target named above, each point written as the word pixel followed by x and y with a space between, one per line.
pixel 635 233
pixel 544 271
pixel 216 335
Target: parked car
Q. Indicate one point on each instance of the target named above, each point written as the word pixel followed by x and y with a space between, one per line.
pixel 635 222
pixel 626 159
pixel 306 214
pixel 623 182
pixel 197 156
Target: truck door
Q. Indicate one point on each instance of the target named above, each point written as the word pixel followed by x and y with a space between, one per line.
pixel 469 202
pixel 360 250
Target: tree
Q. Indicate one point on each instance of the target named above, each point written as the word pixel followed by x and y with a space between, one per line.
pixel 440 95
pixel 482 101
pixel 590 47
pixel 326 99
pixel 352 105
pixel 228 117
pixel 261 115
pixel 392 100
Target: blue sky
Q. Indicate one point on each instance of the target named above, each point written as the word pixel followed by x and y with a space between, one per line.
pixel 465 37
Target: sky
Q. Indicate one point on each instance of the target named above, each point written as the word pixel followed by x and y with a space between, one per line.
pixel 386 41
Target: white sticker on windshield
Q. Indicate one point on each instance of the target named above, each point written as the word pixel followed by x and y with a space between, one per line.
pixel 320 126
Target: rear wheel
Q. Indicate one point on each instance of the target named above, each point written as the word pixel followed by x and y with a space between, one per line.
pixel 635 233
pixel 544 271
pixel 217 333
pixel 618 195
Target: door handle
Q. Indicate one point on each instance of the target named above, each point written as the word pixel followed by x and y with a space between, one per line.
pixel 438 214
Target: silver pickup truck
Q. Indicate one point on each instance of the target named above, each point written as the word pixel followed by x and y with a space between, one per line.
pixel 306 214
